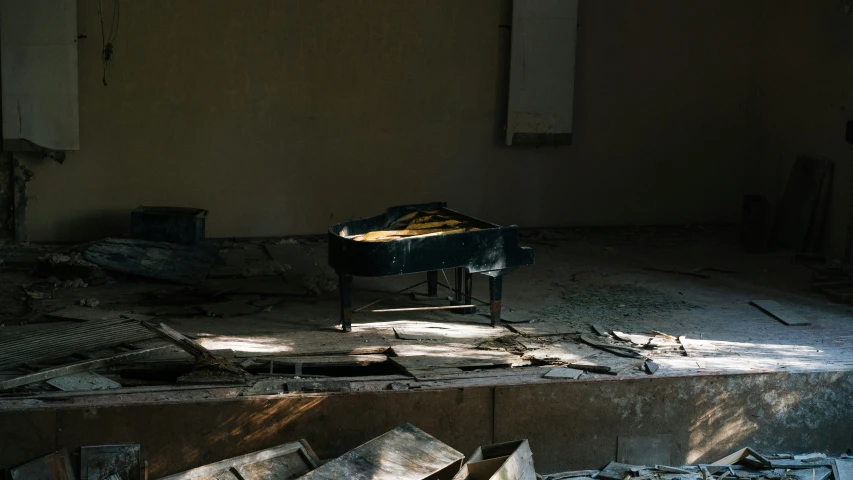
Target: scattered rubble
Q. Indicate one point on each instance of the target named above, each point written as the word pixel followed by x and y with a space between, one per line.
pixel 409 453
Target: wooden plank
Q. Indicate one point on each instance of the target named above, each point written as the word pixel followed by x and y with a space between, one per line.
pixel 82 366
pixel 620 350
pixel 83 381
pixel 414 309
pixel 494 373
pixel 543 329
pixel 425 357
pixel 636 339
pixel 644 450
pixel 405 453
pixel 842 469
pixel 668 469
pixel 434 373
pixel 606 362
pixel 573 474
pixel 446 332
pixel 185 264
pixel 427 362
pixel 56 466
pixel 200 353
pixel 780 312
pixel 237 387
pixel 301 460
pixel 744 454
pixel 561 353
pixel 564 372
pixel 325 360
pixel 86 313
pixel 684 341
pixel 600 331
pixel 287 342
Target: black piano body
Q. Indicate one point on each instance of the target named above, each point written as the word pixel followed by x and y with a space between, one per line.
pixel 487 249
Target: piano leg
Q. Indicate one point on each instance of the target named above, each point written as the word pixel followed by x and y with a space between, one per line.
pixel 346 302
pixel 432 283
pixel 469 286
pixel 495 292
pixel 459 286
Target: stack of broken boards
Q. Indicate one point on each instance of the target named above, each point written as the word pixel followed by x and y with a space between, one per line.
pixel 609 352
pixel 744 464
pixel 405 453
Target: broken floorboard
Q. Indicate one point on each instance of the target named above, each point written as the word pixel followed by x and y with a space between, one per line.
pixel 430 357
pixel 299 342
pixel 319 360
pixel 284 462
pixel 780 312
pixel 541 329
pixel 405 453
pixel 440 332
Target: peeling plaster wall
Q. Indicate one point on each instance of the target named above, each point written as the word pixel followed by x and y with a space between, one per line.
pixel 281 117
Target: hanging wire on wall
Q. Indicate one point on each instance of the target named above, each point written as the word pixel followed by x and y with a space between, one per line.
pixel 108 38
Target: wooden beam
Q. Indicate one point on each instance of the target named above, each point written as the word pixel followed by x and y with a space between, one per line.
pixel 202 355
pixel 83 366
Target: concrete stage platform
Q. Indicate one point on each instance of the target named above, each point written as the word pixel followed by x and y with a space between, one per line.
pixel 748 380
pixel 570 424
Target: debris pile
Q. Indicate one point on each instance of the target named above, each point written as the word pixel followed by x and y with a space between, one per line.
pixel 404 453
pixel 409 453
pixel 744 464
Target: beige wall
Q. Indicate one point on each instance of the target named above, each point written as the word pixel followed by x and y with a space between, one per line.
pixel 280 116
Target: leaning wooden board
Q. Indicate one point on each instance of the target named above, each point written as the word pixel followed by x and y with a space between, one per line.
pixel 405 453
pixel 779 312
pixel 284 462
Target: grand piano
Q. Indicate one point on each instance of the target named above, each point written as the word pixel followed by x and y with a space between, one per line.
pixel 425 238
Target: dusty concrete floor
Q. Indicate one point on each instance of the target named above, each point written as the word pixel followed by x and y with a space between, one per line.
pixel 581 277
